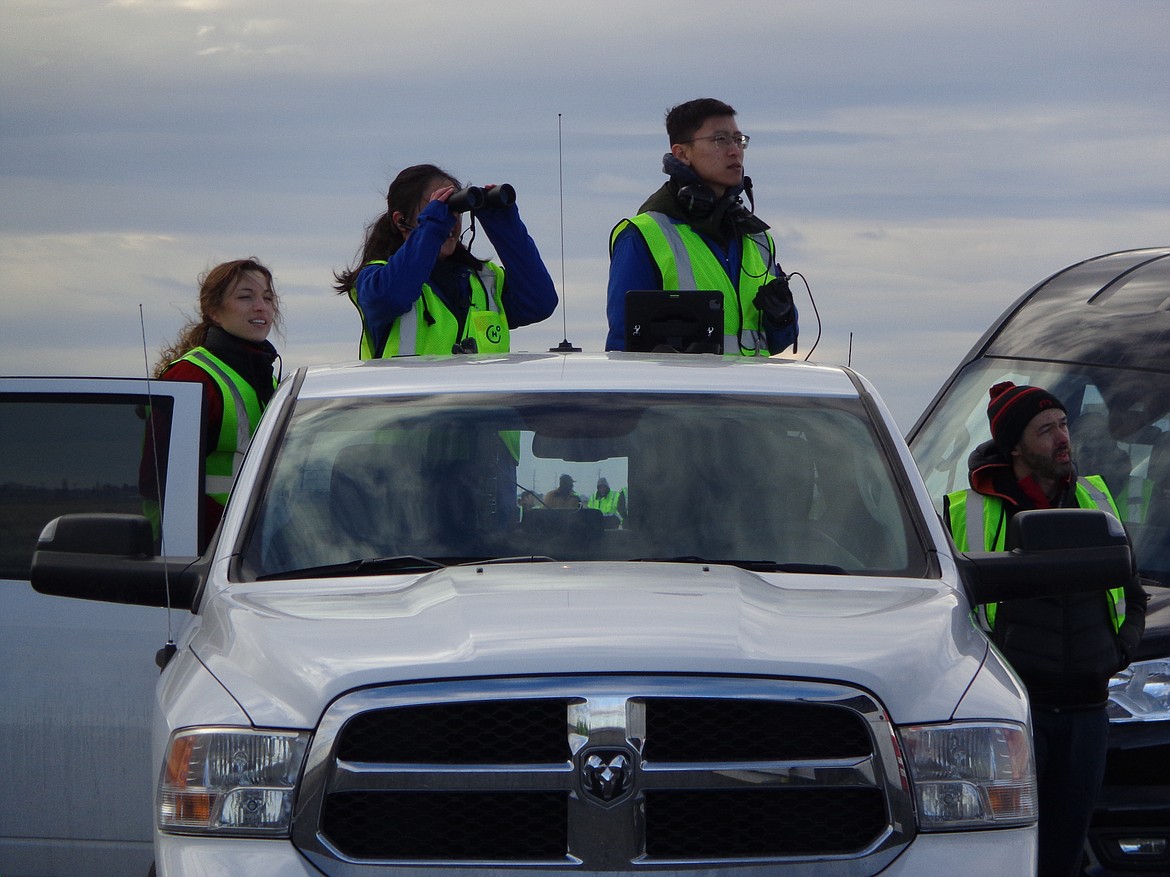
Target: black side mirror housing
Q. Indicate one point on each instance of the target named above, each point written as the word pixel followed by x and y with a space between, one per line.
pixel 111 558
pixel 1051 552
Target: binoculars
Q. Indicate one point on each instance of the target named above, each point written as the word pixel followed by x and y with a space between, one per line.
pixel 475 198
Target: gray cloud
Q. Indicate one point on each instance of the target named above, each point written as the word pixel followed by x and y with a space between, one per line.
pixel 921 166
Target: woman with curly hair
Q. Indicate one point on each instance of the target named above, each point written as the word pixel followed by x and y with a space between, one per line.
pixel 227 351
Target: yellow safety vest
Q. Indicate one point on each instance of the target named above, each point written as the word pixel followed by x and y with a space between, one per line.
pixel 241 415
pixel 429 327
pixel 686 262
pixel 608 504
pixel 981 520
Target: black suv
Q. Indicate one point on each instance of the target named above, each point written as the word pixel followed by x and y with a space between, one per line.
pixel 1097 334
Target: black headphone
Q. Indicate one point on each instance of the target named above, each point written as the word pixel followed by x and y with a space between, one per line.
pixel 699 201
pixel 696 199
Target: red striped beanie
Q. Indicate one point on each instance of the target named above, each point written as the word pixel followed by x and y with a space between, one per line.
pixel 1012 408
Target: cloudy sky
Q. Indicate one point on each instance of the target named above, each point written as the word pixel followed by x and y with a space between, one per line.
pixel 921 164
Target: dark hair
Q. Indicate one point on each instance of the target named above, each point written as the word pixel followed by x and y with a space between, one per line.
pixel 684 120
pixel 214 286
pixel 384 237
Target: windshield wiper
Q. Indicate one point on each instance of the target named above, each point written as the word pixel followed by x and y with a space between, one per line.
pixel 361 566
pixel 753 565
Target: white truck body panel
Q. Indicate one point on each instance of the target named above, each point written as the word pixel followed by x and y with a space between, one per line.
pixel 76 676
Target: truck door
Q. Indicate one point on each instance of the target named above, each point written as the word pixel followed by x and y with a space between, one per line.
pixel 77 677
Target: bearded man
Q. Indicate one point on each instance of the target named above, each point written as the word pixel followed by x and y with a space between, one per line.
pixel 1064 648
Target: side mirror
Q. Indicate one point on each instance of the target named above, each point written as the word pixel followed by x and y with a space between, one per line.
pixel 1051 552
pixel 110 558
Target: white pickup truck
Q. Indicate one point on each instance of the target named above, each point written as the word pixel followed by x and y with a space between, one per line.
pixel 415 647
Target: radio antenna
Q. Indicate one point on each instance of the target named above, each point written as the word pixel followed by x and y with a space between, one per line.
pixel 565 346
pixel 169 648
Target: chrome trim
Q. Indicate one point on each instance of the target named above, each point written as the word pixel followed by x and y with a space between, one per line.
pixel 605 714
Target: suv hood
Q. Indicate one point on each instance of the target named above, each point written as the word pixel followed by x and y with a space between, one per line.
pixel 285 650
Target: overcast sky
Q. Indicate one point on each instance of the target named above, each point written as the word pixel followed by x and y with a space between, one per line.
pixel 921 164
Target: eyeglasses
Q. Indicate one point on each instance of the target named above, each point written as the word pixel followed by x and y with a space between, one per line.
pixel 724 141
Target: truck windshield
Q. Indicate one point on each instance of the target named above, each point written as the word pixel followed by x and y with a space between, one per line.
pixel 762 481
pixel 1119 423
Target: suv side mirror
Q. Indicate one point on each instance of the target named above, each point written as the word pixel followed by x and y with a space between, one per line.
pixel 110 558
pixel 1051 552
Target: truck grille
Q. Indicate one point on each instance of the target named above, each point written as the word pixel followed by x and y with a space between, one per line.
pixel 602 773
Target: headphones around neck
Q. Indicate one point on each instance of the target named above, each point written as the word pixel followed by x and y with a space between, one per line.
pixel 697 200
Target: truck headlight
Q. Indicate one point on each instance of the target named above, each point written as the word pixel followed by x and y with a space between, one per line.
pixel 971 774
pixel 230 781
pixel 1141 692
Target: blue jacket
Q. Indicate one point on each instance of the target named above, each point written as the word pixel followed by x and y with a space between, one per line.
pixel 386 292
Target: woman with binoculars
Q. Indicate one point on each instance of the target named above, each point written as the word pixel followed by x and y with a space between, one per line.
pixel 419 289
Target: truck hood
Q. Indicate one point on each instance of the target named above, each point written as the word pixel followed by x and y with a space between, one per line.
pixel 285 650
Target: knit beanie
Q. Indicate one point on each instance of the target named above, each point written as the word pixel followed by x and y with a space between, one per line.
pixel 1011 410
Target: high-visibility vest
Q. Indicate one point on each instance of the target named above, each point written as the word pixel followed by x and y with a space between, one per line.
pixel 686 262
pixel 429 327
pixel 608 504
pixel 981 520
pixel 241 414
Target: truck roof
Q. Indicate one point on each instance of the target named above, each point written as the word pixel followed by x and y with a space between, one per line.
pixel 535 372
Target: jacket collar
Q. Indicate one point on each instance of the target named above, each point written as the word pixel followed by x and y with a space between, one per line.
pixel 991 473
pixel 728 218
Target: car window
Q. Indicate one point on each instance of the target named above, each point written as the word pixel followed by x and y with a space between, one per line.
pixel 70 453
pixel 459 478
pixel 1120 429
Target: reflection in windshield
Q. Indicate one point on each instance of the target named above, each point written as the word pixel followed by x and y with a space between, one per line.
pixel 575 476
pixel 1120 430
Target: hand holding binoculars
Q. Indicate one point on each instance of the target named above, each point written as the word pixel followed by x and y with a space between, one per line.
pixel 475 198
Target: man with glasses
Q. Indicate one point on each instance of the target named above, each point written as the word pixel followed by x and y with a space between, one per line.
pixel 695 233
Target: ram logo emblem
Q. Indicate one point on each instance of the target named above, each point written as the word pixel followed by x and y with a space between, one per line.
pixel 607 775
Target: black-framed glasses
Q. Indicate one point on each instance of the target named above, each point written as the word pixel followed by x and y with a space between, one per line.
pixel 723 141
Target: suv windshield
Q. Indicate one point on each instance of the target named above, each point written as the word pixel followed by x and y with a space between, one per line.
pixel 1119 421
pixel 400 482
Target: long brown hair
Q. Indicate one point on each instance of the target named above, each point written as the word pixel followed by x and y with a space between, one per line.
pixel 214 287
pixel 384 237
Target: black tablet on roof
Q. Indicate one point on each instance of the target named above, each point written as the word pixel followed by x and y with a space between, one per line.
pixel 684 320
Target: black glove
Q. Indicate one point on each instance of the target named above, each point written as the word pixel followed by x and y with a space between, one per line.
pixel 774 300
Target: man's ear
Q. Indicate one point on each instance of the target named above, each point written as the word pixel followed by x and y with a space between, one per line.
pixel 680 151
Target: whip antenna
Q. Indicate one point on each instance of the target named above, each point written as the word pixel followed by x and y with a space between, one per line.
pixel 169 648
pixel 565 346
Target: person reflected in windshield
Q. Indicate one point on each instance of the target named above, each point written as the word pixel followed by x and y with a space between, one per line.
pixel 526 501
pixel 418 288
pixel 563 497
pixel 609 502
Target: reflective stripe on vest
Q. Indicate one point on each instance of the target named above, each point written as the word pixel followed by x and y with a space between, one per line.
pixel 686 262
pixel 981 520
pixel 412 333
pixel 241 414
